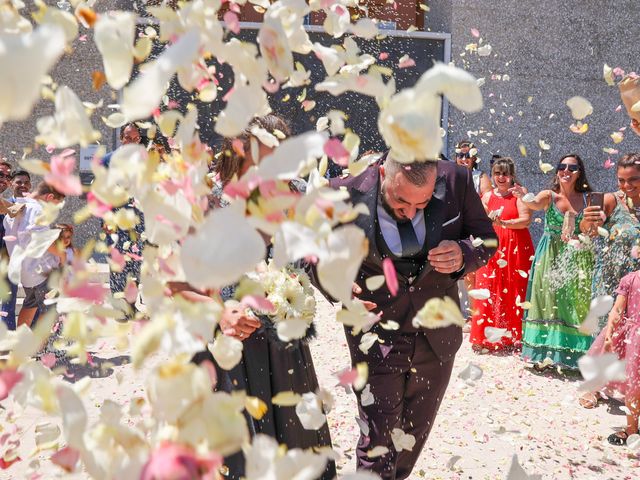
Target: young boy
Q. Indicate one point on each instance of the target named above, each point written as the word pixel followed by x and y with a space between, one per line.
pixel 33 271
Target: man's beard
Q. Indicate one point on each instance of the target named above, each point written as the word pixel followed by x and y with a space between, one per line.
pixel 389 210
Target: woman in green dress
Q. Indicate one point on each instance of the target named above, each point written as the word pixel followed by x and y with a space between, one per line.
pixel 559 289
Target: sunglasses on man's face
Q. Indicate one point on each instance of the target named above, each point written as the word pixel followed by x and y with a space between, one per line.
pixel 463 155
pixel 565 166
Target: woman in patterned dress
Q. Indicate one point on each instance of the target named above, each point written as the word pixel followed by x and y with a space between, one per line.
pixel 614 255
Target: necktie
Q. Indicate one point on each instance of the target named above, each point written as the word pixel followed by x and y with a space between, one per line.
pixel 408 238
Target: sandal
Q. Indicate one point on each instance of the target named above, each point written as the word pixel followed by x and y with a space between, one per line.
pixel 540 367
pixel 589 400
pixel 618 439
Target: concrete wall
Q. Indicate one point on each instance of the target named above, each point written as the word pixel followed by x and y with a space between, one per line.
pixel 551 51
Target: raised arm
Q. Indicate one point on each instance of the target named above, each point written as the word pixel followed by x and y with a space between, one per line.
pixel 541 201
pixel 615 315
pixel 485 185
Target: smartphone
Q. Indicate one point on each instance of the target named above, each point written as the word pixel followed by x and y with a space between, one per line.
pixel 595 199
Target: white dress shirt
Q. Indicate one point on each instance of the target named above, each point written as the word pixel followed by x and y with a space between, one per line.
pixel 18 232
pixel 390 233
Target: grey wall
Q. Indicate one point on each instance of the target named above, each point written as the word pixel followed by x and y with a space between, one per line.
pixel 551 51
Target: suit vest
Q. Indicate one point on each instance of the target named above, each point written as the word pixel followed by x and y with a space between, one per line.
pixel 408 267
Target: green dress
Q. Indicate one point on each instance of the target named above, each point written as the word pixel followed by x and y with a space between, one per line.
pixel 559 291
pixel 613 254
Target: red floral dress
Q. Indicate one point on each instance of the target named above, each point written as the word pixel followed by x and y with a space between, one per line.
pixel 505 276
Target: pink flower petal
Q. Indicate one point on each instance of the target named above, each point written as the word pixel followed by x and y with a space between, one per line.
pixel 383 56
pixel 174 461
pixel 48 360
pixel 258 303
pixel 131 291
pixel 335 151
pixel 118 258
pixel 347 377
pixel 67 458
pixel 475 32
pixel 91 292
pixel 231 22
pixel 390 276
pixel 9 377
pixel 406 63
pixel 608 163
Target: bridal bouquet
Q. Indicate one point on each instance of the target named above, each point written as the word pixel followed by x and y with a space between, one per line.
pixel 290 295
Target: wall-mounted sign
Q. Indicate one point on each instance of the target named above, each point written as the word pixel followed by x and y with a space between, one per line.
pixel 86 156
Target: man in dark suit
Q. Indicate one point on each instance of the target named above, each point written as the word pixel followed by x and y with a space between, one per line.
pixel 422 217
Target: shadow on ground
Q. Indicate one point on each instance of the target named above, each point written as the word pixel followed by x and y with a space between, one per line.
pixel 97 368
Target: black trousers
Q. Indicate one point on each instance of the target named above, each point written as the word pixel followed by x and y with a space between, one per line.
pixel 407 384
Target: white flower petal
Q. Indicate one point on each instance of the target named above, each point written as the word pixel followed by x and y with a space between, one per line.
pixel 114 37
pixel 402 441
pixel 580 107
pixel 471 372
pixel 275 49
pixel 480 293
pixel 494 335
pixel 293 153
pixel 340 262
pixel 24 60
pixel 599 370
pixel 309 412
pixel 69 125
pixel 365 28
pixel 143 95
pixel 245 102
pixel 599 307
pixel 222 250
pixel 227 351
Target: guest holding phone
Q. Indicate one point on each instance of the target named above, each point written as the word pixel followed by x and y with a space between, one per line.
pixel 614 255
pixel 559 287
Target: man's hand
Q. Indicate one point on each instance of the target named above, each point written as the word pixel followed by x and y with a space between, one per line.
pixel 446 257
pixel 356 290
pixel 237 322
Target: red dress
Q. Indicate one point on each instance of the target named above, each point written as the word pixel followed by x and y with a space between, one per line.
pixel 507 283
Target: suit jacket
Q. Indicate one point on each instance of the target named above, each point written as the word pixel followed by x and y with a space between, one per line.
pixel 455 212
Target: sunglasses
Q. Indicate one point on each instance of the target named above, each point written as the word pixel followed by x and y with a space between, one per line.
pixel 572 168
pixel 463 155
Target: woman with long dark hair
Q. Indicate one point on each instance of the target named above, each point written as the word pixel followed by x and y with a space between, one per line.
pixel 559 289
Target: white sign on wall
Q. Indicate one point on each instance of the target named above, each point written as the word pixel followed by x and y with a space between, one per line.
pixel 86 156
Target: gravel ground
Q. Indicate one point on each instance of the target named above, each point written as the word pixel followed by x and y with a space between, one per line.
pixel 510 410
